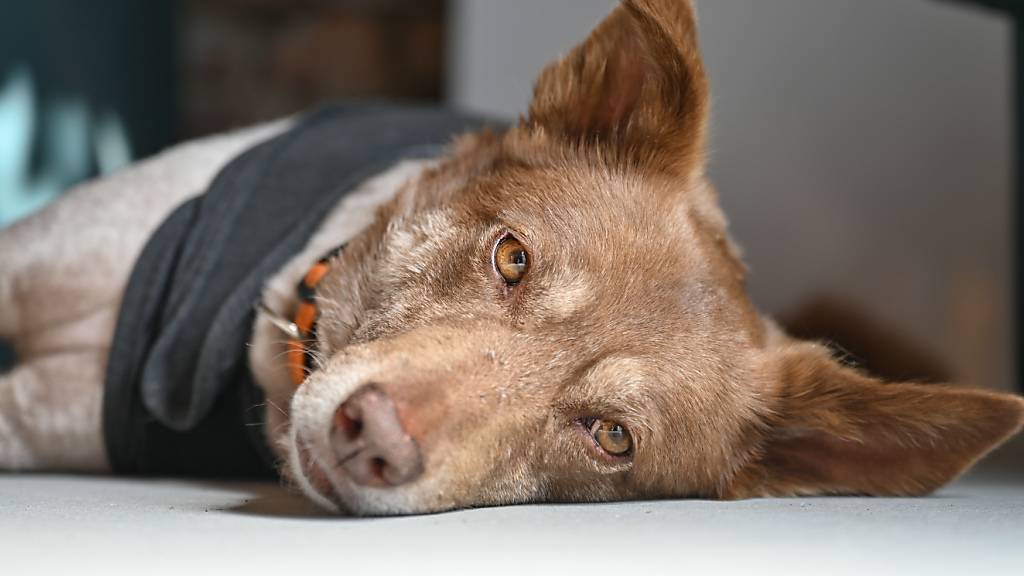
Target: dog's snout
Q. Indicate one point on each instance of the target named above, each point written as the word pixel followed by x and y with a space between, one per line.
pixel 370 442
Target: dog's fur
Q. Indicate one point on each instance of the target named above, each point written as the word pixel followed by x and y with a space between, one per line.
pixel 633 310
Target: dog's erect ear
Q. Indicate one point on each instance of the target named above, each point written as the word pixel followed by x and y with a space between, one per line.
pixel 636 85
pixel 835 430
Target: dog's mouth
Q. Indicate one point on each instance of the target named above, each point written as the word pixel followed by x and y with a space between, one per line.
pixel 313 478
pixel 315 473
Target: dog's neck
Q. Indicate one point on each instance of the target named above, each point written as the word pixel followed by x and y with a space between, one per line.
pixel 347 219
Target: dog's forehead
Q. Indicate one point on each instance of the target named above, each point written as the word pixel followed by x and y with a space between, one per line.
pixel 601 218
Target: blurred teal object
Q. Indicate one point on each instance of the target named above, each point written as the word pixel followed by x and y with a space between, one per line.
pixel 17 114
pixel 84 88
pixel 71 138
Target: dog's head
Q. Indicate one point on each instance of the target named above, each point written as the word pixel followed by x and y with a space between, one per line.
pixel 556 313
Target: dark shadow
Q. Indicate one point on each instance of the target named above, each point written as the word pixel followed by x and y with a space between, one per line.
pixel 274 501
pixel 863 341
pixel 7 357
pixel 1004 464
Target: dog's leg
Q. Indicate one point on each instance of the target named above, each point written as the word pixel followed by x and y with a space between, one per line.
pixel 50 413
pixel 61 265
pixel 61 277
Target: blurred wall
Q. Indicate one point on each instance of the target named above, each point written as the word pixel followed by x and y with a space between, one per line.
pixel 246 61
pixel 86 87
pixel 862 150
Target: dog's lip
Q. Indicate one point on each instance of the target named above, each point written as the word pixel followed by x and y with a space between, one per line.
pixel 319 479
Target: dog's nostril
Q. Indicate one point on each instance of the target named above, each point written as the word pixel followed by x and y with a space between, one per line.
pixel 377 468
pixel 370 442
pixel 351 426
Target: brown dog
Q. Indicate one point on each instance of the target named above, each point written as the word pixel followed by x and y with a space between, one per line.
pixel 551 313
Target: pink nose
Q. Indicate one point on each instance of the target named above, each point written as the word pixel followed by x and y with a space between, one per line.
pixel 370 442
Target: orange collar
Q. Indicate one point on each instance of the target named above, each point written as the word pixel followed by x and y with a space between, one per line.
pixel 302 332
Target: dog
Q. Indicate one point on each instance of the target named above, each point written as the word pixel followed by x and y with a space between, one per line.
pixel 548 312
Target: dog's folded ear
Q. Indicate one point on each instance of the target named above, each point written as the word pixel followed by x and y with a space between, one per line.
pixel 635 86
pixel 833 430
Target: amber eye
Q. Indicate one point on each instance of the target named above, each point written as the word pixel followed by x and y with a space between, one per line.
pixel 612 437
pixel 510 259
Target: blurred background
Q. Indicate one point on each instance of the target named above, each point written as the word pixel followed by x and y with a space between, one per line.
pixel 863 149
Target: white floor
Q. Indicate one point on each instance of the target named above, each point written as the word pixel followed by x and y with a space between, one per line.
pixel 74 525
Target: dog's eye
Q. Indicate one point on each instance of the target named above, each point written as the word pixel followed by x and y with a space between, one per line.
pixel 510 259
pixel 612 437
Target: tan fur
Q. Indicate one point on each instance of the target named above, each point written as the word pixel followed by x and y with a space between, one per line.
pixel 633 309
